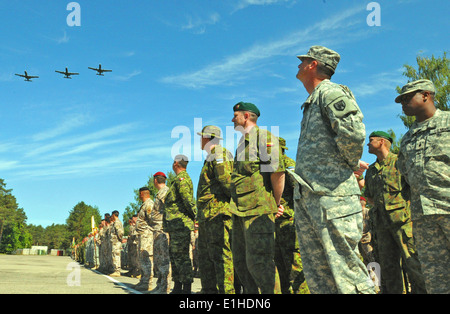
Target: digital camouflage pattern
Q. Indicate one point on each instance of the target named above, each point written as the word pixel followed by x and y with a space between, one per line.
pixel 331 142
pixel 424 160
pixel 393 226
pixel 180 211
pixel 287 251
pixel 179 216
pixel 116 245
pixel 161 260
pixel 328 210
pixel 145 233
pixel 213 190
pixel 214 223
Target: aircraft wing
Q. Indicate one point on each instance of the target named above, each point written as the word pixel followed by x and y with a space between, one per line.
pixel 61 72
pixel 21 75
pixel 33 76
pixel 72 73
pixel 107 70
pixel 93 69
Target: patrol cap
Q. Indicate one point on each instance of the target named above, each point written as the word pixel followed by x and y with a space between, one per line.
pixel 246 106
pixel 210 131
pixel 328 57
pixel 381 134
pixel 282 143
pixel 415 86
pixel 160 174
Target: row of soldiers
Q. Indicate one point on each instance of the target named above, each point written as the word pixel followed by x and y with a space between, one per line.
pixel 258 210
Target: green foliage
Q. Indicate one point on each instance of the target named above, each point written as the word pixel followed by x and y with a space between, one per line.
pixel 395 147
pixel 438 71
pixel 79 220
pixel 13 232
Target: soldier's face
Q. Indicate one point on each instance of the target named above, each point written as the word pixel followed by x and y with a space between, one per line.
pixel 374 144
pixel 238 119
pixel 302 69
pixel 411 103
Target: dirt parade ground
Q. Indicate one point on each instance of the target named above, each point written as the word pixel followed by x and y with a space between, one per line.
pixel 45 274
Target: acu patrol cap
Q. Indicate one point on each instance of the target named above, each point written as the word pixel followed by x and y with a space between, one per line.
pixel 328 57
pixel 210 131
pixel 416 86
pixel 381 134
pixel 246 106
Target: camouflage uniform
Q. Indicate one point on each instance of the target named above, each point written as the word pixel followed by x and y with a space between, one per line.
pixel 287 252
pixel 214 222
pixel 179 216
pixel 145 233
pixel 328 215
pixel 424 162
pixel 161 260
pixel 133 252
pixel 116 245
pixel 393 226
pixel 102 252
pixel 253 208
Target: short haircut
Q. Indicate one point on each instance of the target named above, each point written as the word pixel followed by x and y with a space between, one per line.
pixel 144 189
pixel 115 213
pixel 252 116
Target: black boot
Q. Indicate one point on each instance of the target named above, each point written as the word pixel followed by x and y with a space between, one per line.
pixel 177 288
pixel 186 288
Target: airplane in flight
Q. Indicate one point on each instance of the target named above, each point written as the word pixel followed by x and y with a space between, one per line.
pixel 27 77
pixel 67 74
pixel 100 70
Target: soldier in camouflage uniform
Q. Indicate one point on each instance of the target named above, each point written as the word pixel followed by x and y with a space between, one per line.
pixel 133 252
pixel 385 188
pixel 256 189
pixel 214 217
pixel 161 260
pixel 116 230
pixel 179 216
pixel 144 229
pixel 328 214
pixel 287 252
pixel 424 161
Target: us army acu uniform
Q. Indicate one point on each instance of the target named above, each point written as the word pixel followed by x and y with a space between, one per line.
pixel 161 259
pixel 214 219
pixel 179 216
pixel 328 215
pixel 145 246
pixel 393 225
pixel 254 208
pixel 116 246
pixel 424 160
pixel 287 252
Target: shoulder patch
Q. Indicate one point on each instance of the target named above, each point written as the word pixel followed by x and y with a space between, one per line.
pixel 340 105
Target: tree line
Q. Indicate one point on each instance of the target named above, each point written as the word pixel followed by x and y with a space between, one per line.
pixel 15 233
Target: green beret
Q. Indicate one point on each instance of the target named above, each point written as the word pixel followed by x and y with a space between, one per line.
pixel 381 134
pixel 425 85
pixel 246 106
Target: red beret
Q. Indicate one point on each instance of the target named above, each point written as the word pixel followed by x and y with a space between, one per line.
pixel 160 174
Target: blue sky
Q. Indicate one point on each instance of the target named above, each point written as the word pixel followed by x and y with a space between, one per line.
pixel 177 66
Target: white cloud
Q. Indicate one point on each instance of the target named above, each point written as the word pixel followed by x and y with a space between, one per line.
pixel 64 127
pixel 198 24
pixel 126 77
pixel 238 67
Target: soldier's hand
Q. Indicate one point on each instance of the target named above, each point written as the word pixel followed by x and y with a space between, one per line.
pixel 363 166
pixel 280 211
